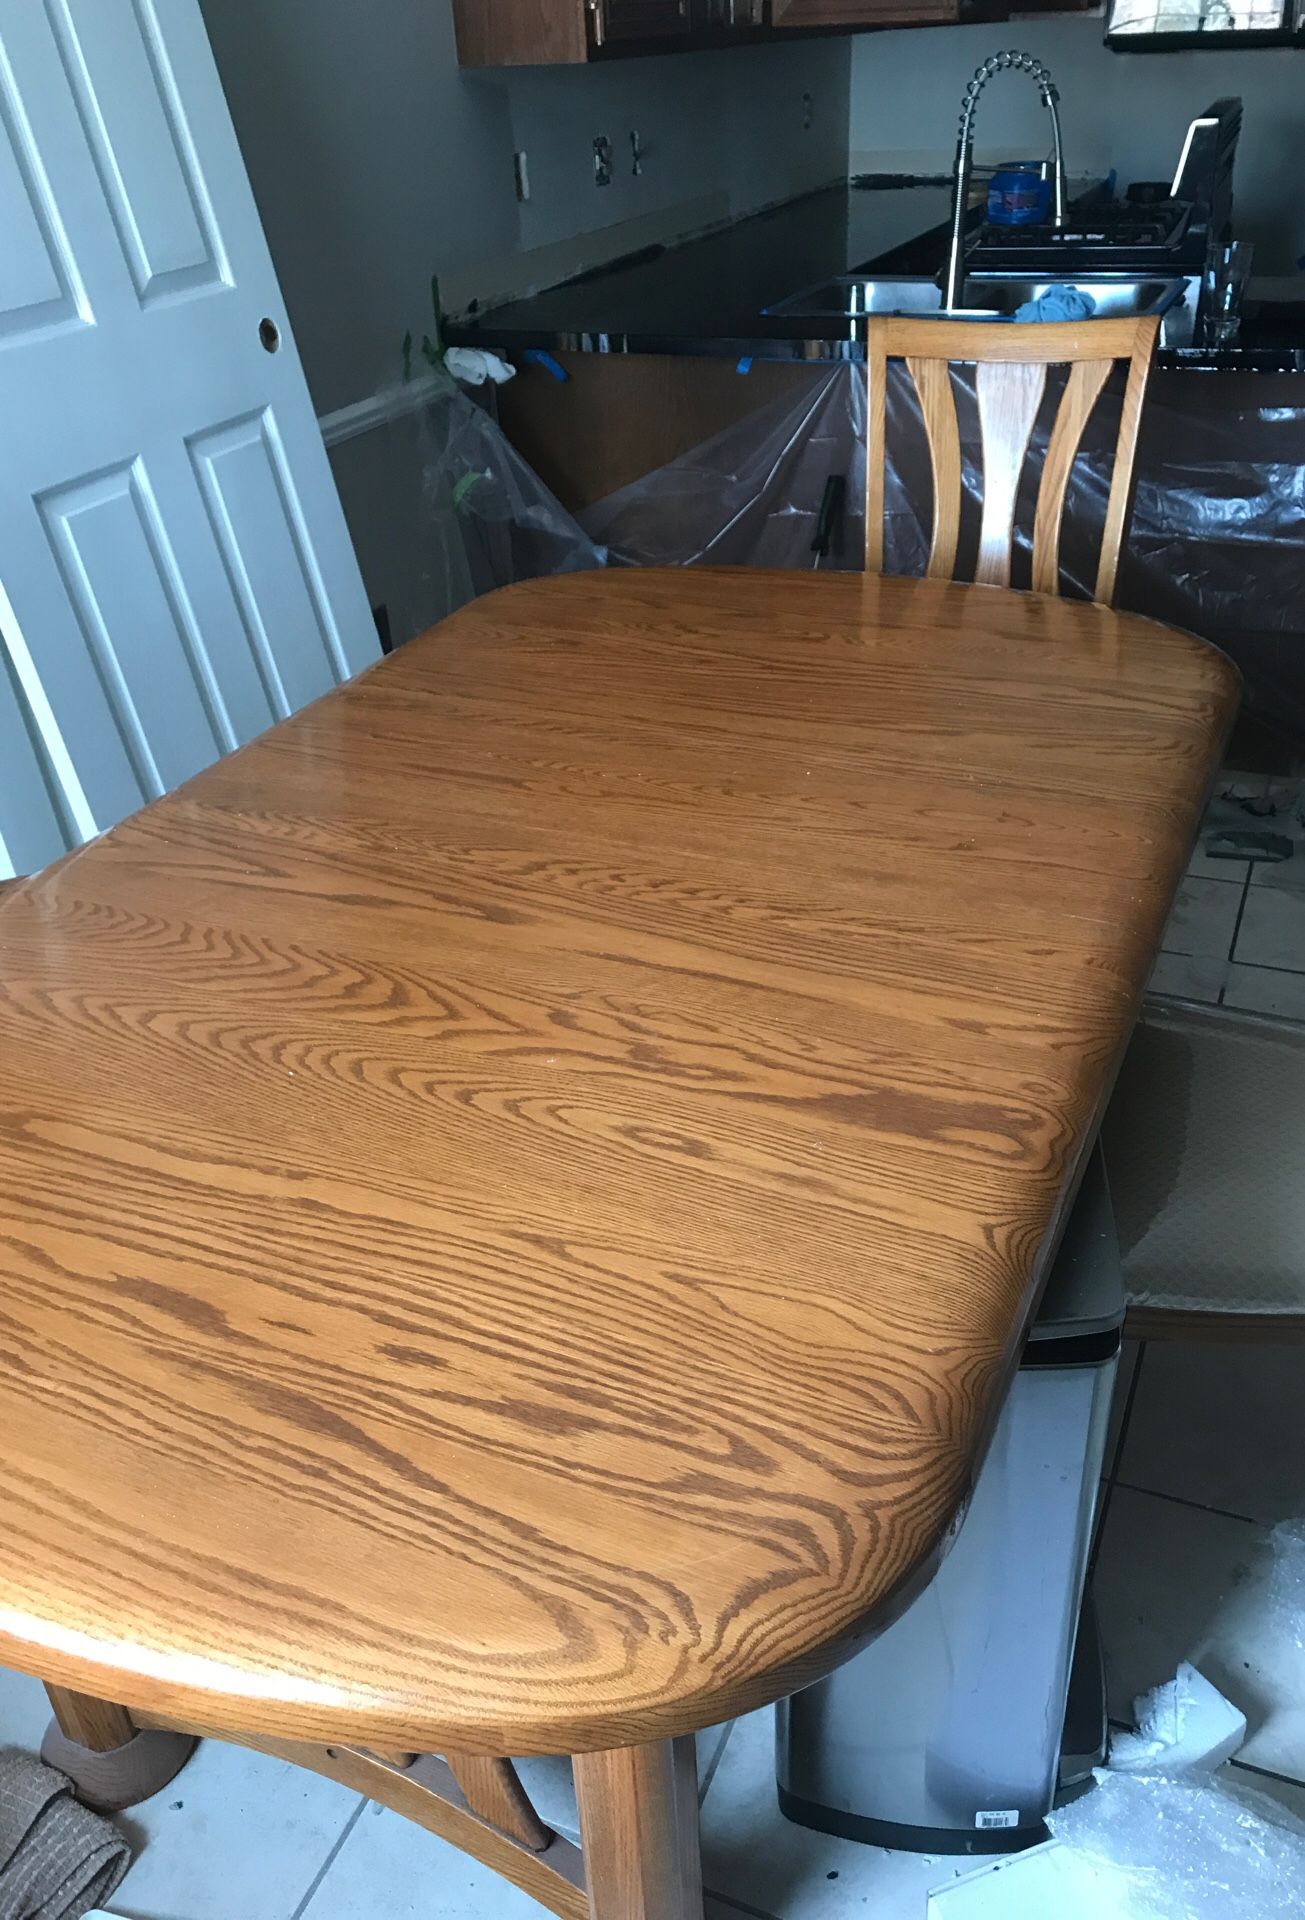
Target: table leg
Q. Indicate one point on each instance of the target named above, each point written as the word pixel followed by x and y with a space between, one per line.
pixel 111 1762
pixel 639 1829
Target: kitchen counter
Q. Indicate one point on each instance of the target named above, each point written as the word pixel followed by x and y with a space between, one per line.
pixel 706 296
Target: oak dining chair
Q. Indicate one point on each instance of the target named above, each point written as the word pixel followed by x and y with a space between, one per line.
pixel 1011 363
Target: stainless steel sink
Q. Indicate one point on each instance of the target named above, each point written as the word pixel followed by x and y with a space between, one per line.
pixel 1114 298
pixel 851 296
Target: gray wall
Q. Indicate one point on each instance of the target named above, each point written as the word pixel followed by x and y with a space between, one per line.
pixel 376 161
pixel 1129 111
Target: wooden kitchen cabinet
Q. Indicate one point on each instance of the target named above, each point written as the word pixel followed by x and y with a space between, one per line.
pixel 514 33
pixel 517 33
pixel 802 15
pixel 612 22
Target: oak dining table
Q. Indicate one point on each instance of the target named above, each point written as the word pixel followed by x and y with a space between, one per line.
pixel 523 1188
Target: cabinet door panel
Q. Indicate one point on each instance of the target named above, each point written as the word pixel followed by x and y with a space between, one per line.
pixel 615 21
pixel 861 13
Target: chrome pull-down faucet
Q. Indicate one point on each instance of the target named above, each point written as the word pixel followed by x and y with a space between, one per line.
pixel 997 63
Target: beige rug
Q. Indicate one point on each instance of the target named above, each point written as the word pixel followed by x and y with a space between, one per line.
pixel 1205 1148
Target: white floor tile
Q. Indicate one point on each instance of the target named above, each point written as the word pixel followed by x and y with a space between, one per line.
pixel 1265 990
pixel 236 1833
pixel 1287 875
pixel 1272 933
pixel 1181 976
pixel 1202 867
pixel 1174 1582
pixel 1221 1426
pixel 389 1869
pixel 1203 919
pixel 752 1854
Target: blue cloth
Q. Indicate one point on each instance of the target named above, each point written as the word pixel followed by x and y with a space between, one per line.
pixel 1058 303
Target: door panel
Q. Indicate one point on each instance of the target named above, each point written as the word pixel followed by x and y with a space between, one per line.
pixel 39 286
pixel 259 526
pixel 135 126
pixel 175 572
pixel 125 587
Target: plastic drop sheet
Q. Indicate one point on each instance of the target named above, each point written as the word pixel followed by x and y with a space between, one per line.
pixel 1216 541
pixel 489 519
pixel 751 496
pixel 1160 1847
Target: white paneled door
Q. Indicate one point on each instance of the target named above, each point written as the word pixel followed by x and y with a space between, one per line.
pixel 175 572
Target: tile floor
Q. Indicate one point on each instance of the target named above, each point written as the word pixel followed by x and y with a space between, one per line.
pixel 1236 937
pixel 1200 1555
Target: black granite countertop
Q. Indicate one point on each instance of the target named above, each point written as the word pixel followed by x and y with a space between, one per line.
pixel 708 295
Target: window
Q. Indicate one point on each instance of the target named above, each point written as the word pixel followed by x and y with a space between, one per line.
pixel 1138 24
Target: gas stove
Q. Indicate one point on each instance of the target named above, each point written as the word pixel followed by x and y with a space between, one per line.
pixel 1103 237
pixel 1159 233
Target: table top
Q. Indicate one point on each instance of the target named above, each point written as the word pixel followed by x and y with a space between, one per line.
pixel 521 1188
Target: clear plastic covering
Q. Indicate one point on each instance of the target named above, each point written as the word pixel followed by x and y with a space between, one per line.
pixel 750 496
pixel 490 518
pixel 1166 1847
pixel 1216 540
pixel 1216 543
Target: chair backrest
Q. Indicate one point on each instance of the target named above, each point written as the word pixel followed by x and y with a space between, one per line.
pixel 1010 361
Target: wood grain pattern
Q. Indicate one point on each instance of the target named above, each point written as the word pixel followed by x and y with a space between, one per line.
pixel 96 1724
pixel 1010 380
pixel 639 1831
pixel 428 1794
pixel 493 1791
pixel 1082 391
pixel 933 384
pixel 1008 399
pixel 515 33
pixel 521 1188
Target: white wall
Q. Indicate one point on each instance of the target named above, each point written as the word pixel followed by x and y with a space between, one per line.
pixel 1129 111
pixel 376 161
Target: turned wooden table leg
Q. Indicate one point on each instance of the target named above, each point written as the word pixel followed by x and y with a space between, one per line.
pixel 639 1830
pixel 111 1762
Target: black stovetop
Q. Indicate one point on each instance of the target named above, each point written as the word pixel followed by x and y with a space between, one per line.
pixel 1099 235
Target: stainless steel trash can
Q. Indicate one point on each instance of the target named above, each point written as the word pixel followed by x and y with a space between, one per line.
pixel 945 1735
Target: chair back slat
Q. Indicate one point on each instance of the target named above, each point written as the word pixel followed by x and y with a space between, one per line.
pixel 1009 397
pixel 1082 391
pixel 933 383
pixel 1011 363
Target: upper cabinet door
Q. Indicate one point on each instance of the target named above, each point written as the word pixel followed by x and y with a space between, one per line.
pixel 794 14
pixel 614 22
